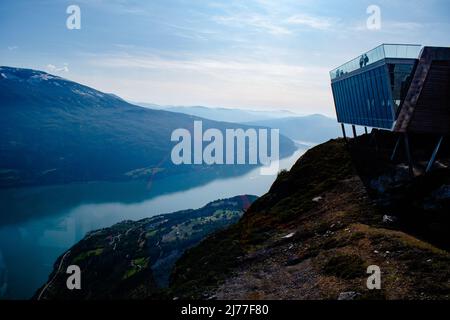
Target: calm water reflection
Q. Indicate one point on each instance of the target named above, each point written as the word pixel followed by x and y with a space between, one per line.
pixel 38 224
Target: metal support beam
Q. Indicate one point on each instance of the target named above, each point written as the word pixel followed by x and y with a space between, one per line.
pixel 354 131
pixel 365 129
pixel 343 132
pixel 433 156
pixel 373 138
pixel 394 152
pixel 408 154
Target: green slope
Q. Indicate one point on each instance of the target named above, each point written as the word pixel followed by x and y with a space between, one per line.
pixel 320 226
pixel 133 259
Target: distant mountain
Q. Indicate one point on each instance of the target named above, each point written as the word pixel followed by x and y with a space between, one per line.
pixel 314 128
pixel 53 130
pixel 224 114
pixel 133 259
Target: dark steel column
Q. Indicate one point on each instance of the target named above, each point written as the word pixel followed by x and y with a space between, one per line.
pixel 394 152
pixel 433 156
pixel 354 131
pixel 343 132
pixel 408 154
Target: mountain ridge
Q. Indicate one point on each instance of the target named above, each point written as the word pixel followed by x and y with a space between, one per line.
pixel 314 128
pixel 234 115
pixel 55 131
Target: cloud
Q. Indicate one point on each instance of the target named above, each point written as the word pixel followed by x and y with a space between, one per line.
pixel 315 22
pixel 214 80
pixel 405 25
pixel 389 25
pixel 53 68
pixel 256 21
pixel 11 48
pixel 217 66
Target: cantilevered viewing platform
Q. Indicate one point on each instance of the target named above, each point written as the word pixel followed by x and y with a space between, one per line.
pixel 396 87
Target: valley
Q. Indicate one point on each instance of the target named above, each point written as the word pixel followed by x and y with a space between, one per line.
pixel 44 222
pixel 136 257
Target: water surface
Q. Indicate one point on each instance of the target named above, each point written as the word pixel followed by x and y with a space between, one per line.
pixel 38 224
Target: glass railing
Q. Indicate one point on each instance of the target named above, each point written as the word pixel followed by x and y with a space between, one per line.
pixel 404 51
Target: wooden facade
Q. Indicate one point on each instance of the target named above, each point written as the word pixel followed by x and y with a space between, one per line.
pixel 426 107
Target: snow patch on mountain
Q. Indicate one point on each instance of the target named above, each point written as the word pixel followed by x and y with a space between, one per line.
pixel 44 77
pixel 80 92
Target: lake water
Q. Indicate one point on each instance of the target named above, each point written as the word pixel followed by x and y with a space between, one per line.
pixel 38 224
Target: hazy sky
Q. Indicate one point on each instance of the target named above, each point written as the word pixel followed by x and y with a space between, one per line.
pixel 249 54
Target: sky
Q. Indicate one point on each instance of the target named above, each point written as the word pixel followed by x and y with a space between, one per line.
pixel 256 54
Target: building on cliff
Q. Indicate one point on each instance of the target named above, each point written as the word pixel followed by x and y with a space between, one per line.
pixel 396 87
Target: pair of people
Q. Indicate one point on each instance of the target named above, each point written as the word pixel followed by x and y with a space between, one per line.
pixel 363 61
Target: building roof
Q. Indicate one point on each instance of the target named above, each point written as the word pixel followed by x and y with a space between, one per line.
pixel 399 51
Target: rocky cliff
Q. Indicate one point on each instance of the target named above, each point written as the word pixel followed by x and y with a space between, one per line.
pixel 341 208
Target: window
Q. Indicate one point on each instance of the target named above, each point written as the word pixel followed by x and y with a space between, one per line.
pixel 400 76
pixel 364 99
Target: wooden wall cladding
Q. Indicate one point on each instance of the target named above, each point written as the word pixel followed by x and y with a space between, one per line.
pixel 432 111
